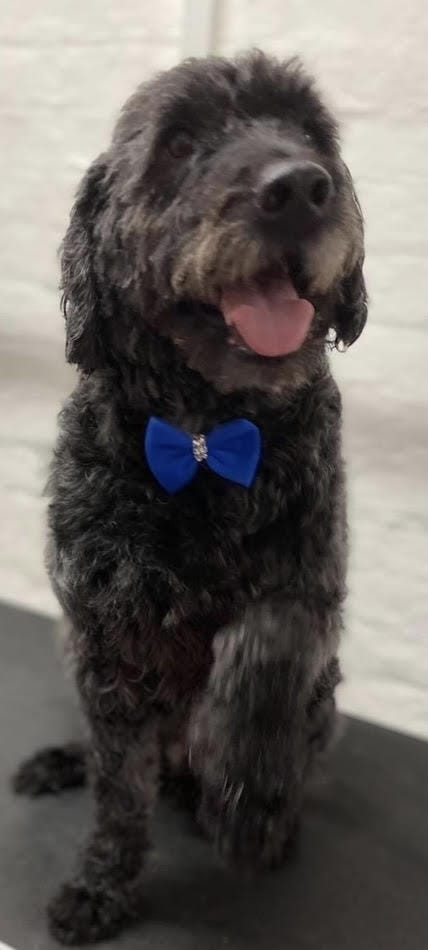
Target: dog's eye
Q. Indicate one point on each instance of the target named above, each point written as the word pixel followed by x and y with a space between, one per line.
pixel 308 136
pixel 181 144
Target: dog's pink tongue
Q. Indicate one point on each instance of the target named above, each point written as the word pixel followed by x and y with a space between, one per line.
pixel 272 322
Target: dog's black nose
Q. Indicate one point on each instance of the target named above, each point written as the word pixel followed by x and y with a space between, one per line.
pixel 296 191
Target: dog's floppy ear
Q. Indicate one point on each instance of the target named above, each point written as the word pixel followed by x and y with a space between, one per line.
pixel 351 308
pixel 81 302
pixel 350 313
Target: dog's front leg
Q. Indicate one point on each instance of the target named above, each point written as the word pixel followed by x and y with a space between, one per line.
pixel 101 897
pixel 250 735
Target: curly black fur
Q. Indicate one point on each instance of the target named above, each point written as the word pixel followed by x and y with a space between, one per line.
pixel 51 771
pixel 204 626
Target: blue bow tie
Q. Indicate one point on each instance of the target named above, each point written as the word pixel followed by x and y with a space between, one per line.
pixel 231 450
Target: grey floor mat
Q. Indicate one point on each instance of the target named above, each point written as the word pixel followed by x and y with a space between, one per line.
pixel 358 882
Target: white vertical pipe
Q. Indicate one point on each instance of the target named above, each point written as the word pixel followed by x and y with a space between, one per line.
pixel 198 27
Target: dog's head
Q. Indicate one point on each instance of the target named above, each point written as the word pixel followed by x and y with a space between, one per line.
pixel 223 216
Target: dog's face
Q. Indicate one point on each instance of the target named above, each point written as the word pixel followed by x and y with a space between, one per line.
pixel 223 216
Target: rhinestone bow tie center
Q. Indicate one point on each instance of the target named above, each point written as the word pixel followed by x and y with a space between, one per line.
pixel 199 447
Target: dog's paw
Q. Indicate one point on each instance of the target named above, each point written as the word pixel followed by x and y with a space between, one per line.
pixel 248 834
pixel 77 915
pixel 50 771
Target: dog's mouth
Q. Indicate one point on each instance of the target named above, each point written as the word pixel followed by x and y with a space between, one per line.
pixel 269 319
pixel 266 317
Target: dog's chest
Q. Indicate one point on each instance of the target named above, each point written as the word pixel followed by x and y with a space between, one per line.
pixel 200 534
pixel 216 538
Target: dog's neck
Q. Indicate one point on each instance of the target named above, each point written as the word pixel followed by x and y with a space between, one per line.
pixel 157 381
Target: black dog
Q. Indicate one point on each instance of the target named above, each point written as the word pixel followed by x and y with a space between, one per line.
pixel 210 251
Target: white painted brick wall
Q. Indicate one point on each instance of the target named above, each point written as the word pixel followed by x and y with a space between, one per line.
pixel 67 65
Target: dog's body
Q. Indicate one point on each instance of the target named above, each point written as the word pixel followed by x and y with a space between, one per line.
pixel 204 625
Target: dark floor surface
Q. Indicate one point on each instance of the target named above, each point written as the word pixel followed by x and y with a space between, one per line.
pixel 359 880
